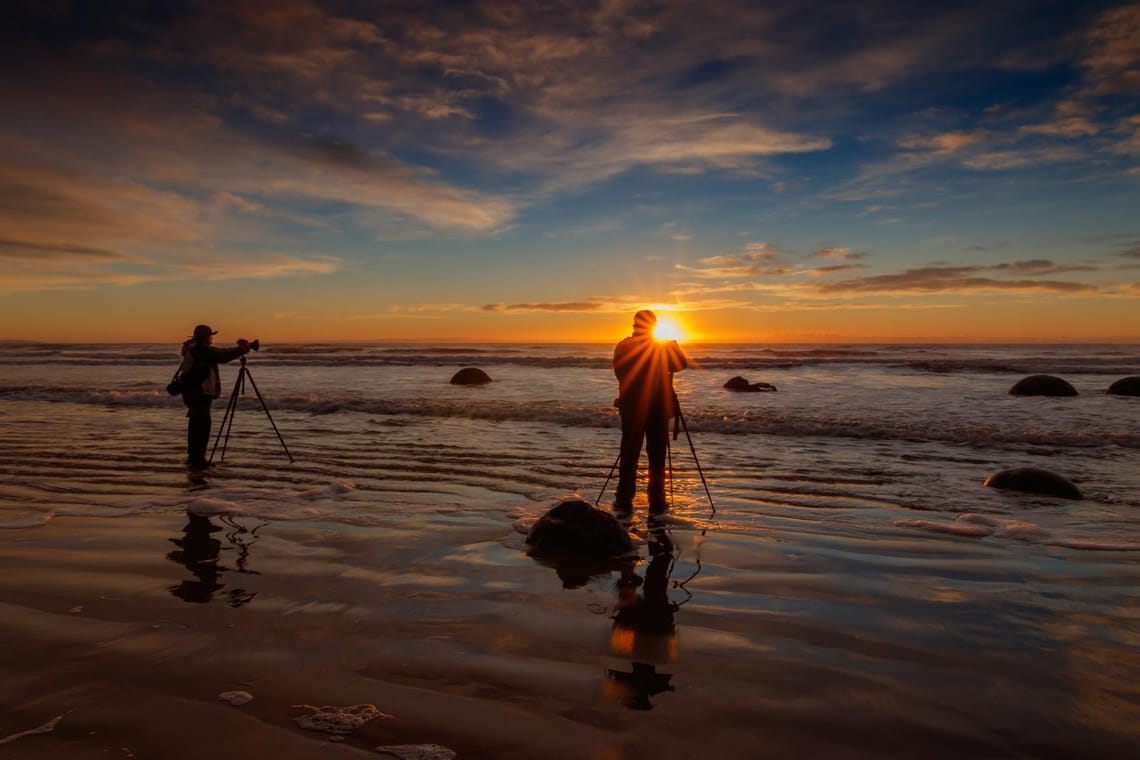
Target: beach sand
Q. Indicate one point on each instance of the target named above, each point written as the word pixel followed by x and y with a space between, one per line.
pixel 446 625
pixel 321 615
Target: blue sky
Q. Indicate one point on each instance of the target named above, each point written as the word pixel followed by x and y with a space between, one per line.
pixel 503 170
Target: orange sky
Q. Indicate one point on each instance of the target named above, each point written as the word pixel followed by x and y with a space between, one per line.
pixel 308 170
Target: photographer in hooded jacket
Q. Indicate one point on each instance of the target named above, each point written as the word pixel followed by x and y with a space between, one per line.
pixel 201 384
pixel 644 367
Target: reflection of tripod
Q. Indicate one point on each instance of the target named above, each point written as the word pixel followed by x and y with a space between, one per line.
pixel 231 409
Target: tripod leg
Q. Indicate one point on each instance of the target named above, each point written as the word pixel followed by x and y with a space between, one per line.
pixel 227 419
pixel 600 493
pixel 267 414
pixel 693 448
pixel 230 426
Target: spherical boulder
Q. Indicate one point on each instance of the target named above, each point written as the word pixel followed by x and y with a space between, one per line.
pixel 576 527
pixel 1033 480
pixel 1042 385
pixel 1125 386
pixel 741 385
pixel 470 376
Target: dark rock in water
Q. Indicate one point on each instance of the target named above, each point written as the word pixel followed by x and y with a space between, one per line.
pixel 470 376
pixel 1125 386
pixel 1033 480
pixel 1042 385
pixel 741 385
pixel 576 527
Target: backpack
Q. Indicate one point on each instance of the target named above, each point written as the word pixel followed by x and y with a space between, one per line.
pixel 175 387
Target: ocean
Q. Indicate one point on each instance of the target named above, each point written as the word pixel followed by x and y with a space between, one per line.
pixel 867 437
pixel 845 542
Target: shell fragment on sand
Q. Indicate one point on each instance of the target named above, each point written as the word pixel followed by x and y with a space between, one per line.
pixel 418 751
pixel 236 698
pixel 46 728
pixel 337 720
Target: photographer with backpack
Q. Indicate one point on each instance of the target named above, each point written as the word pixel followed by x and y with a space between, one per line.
pixel 201 384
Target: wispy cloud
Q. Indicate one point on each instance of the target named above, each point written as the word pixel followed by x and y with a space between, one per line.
pixel 1080 128
pixel 24 249
pixel 833 269
pixel 586 230
pixel 842 254
pixel 260 266
pixel 592 305
pixel 1040 267
pixel 943 279
pixel 1112 63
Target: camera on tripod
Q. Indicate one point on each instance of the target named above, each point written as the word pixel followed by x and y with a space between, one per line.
pixel 231 407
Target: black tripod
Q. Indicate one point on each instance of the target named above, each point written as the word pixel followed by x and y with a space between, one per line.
pixel 231 409
pixel 681 419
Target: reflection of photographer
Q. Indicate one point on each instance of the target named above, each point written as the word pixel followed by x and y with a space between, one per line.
pixel 644 632
pixel 200 552
pixel 201 384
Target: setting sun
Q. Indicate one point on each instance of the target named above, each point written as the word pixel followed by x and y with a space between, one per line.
pixel 668 329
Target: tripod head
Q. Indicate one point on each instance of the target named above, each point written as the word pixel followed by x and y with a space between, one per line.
pixel 254 345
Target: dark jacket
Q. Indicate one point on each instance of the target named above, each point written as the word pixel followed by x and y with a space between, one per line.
pixel 200 368
pixel 644 369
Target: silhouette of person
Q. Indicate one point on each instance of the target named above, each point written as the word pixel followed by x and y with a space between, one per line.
pixel 201 384
pixel 200 553
pixel 198 550
pixel 644 367
pixel 644 631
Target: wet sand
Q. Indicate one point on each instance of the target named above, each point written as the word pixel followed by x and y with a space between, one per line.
pixel 130 628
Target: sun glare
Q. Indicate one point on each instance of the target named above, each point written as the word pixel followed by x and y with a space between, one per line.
pixel 668 329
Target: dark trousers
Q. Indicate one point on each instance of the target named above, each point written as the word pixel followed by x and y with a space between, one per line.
pixel 198 427
pixel 653 429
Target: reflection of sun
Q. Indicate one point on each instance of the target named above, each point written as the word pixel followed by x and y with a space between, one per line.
pixel 668 329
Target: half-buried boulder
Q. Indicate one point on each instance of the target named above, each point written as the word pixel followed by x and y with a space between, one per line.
pixel 580 543
pixel 1033 480
pixel 576 527
pixel 1042 385
pixel 741 385
pixel 470 376
pixel 1125 386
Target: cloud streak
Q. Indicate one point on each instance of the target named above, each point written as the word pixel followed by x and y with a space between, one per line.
pixel 936 279
pixel 24 249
